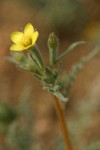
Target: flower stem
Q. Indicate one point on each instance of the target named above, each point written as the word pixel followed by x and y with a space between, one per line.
pixel 36 55
pixel 64 129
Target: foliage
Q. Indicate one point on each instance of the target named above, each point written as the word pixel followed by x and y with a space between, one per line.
pixel 19 133
pixel 33 61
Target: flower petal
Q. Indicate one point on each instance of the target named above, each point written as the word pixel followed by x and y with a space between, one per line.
pixel 34 37
pixel 17 47
pixel 16 37
pixel 29 30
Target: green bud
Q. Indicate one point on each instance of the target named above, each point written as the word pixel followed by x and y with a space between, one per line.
pixel 18 56
pixel 29 64
pixel 53 41
pixel 53 45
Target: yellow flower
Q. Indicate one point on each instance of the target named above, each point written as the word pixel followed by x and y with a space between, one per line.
pixel 24 40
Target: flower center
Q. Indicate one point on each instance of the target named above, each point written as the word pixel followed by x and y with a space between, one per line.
pixel 27 40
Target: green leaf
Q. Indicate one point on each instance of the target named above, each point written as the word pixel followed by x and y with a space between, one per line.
pixel 11 59
pixel 76 68
pixel 37 76
pixel 69 49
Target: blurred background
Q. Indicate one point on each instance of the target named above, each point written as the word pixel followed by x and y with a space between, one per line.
pixel 71 20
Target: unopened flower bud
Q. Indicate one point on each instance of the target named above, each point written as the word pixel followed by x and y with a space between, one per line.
pixel 18 56
pixel 53 45
pixel 53 41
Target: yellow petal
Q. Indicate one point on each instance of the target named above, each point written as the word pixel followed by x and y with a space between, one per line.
pixel 29 30
pixel 34 37
pixel 17 47
pixel 16 37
